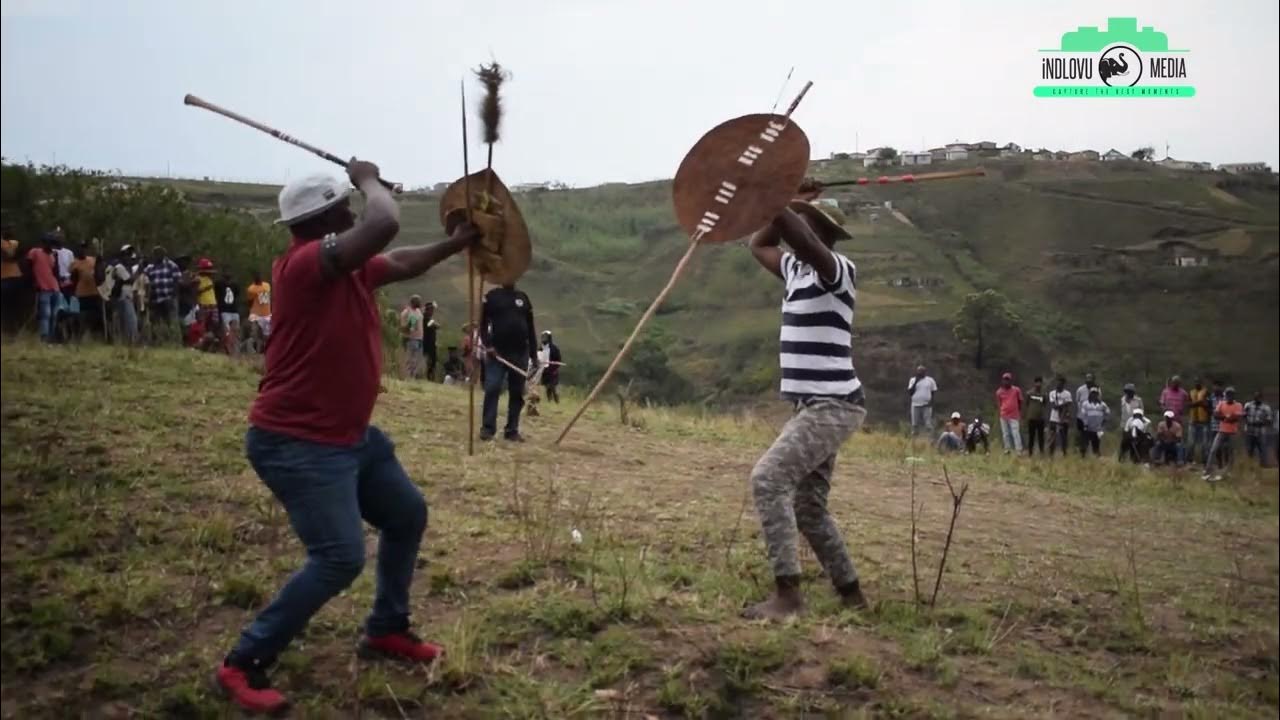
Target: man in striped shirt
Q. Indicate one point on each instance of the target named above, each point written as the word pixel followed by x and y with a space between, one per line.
pixel 791 481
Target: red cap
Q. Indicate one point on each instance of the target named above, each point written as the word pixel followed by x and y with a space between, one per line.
pixel 204 264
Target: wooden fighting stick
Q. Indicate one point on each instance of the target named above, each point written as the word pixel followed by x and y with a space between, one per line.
pixel 711 225
pixel 908 178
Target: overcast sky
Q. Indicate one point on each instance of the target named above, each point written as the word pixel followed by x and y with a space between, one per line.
pixel 602 90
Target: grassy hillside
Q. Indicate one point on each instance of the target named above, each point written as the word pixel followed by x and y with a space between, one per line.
pixel 1047 234
pixel 137 542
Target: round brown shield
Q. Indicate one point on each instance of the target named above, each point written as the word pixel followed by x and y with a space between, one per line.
pixel 504 253
pixel 739 176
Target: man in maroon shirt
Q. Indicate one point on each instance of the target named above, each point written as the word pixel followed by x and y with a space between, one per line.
pixel 309 435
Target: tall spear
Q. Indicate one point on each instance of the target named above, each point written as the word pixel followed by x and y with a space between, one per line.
pixel 471 280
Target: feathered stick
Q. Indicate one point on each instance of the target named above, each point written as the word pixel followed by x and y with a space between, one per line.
pixel 491 77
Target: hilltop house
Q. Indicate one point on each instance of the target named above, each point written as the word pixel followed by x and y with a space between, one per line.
pixel 1245 167
pixel 1084 155
pixel 529 187
pixel 1042 154
pixel 1010 150
pixel 982 147
pixel 957 151
pixel 1171 164
pixel 916 158
pixel 938 154
pixel 1061 155
pixel 1112 155
pixel 870 161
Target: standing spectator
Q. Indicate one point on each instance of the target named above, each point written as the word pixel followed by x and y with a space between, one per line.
pixel 470 352
pixel 1009 400
pixel 977 432
pixel 1060 404
pixel 1129 401
pixel 45 282
pixel 259 294
pixel 1227 413
pixel 1175 398
pixel 123 311
pixel 953 435
pixel 1037 400
pixel 11 284
pixel 1082 395
pixel 430 331
pixel 411 336
pixel 1135 440
pixel 1257 423
pixel 163 278
pixel 1169 440
pixel 1093 417
pixel 1200 411
pixel 506 331
pixel 84 277
pixel 206 297
pixel 63 257
pixel 551 359
pixel 1216 396
pixel 921 388
pixel 228 312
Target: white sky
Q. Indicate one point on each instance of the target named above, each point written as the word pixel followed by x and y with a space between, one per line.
pixel 602 90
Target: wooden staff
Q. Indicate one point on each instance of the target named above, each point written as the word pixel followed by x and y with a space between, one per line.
pixel 908 178
pixel 694 240
pixel 471 283
pixel 507 362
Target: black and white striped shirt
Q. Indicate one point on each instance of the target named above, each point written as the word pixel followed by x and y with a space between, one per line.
pixel 817 330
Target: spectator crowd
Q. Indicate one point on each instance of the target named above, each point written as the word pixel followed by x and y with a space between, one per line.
pixel 1201 425
pixel 128 298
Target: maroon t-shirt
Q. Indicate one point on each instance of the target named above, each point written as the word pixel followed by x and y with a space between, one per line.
pixel 324 358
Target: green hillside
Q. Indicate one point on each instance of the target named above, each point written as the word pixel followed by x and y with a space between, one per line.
pixel 1074 245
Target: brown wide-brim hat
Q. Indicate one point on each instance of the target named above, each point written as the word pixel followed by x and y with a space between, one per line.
pixel 504 253
pixel 827 219
pixel 739 176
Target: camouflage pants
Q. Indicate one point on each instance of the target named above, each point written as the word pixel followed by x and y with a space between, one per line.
pixel 790 484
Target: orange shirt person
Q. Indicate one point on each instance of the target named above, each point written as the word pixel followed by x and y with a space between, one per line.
pixel 1228 413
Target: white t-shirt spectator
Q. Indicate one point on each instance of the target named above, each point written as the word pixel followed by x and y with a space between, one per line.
pixel 64 258
pixel 1059 398
pixel 124 280
pixel 922 390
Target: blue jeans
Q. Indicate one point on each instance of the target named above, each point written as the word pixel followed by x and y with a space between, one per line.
pixel 495 373
pixel 1011 434
pixel 1201 439
pixel 126 320
pixel 327 490
pixel 46 306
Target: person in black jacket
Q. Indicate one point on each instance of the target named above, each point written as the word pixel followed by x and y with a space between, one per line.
pixel 506 331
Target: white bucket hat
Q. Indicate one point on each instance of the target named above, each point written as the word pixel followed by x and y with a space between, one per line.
pixel 309 196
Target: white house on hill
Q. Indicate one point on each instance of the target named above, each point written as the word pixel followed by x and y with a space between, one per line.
pixel 1173 164
pixel 916 158
pixel 957 151
pixel 1112 155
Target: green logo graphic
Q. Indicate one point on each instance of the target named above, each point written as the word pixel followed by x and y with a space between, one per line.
pixel 1122 61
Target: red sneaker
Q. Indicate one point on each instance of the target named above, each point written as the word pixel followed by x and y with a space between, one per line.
pixel 400 646
pixel 251 690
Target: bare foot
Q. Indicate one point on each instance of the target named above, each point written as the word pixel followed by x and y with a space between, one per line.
pixel 779 607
